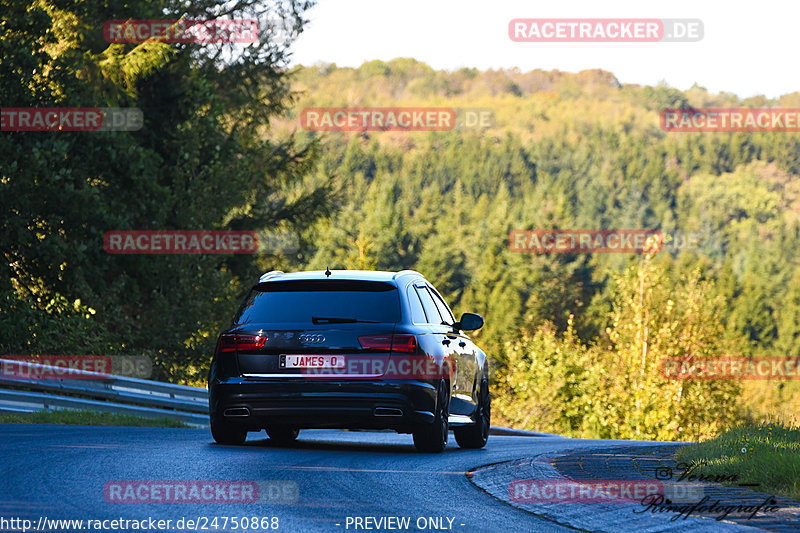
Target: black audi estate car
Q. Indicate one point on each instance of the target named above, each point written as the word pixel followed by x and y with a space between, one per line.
pixel 349 349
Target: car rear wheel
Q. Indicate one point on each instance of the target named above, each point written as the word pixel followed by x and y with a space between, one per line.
pixel 432 438
pixel 283 434
pixel 476 435
pixel 227 433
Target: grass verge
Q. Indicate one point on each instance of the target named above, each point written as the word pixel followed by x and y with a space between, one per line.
pixel 87 417
pixel 768 454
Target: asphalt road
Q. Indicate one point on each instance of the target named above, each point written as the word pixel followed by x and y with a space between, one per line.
pixel 328 481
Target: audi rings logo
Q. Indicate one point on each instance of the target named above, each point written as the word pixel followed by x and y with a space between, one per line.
pixel 308 338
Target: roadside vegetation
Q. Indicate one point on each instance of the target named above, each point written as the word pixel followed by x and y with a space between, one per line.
pixel 88 418
pixel 578 341
pixel 767 455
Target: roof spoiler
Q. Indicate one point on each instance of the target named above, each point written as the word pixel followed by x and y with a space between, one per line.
pixel 269 275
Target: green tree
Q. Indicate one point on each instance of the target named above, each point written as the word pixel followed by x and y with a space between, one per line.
pixel 203 160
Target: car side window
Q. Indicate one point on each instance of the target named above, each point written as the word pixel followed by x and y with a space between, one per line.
pixel 417 312
pixel 427 303
pixel 443 309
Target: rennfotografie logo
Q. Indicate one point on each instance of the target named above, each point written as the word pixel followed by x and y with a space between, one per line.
pixel 730 119
pixel 544 241
pixel 203 31
pixel 180 242
pixel 726 368
pixel 70 119
pixel 610 30
pixel 746 508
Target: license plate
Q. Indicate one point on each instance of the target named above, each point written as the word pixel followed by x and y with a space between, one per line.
pixel 311 361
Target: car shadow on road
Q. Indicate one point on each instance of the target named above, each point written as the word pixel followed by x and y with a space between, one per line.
pixel 345 445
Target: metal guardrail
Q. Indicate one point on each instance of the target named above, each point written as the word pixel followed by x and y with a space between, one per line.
pixel 99 392
pixel 117 394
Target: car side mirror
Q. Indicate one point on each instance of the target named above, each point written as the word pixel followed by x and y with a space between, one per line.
pixel 469 322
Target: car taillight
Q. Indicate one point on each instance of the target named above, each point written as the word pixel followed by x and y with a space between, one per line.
pixel 231 343
pixel 385 343
pixel 404 343
pixel 226 343
pixel 250 342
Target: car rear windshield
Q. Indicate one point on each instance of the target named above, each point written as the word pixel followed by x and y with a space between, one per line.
pixel 322 300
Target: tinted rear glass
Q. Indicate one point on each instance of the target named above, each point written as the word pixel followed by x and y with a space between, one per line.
pixel 429 306
pixel 443 309
pixel 417 313
pixel 298 301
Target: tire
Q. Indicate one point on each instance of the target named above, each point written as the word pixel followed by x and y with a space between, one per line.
pixel 227 433
pixel 283 435
pixel 475 436
pixel 432 438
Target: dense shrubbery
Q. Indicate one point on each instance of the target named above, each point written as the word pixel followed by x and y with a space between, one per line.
pixel 617 387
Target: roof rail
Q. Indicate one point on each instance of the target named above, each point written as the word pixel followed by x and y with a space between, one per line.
pixel 270 274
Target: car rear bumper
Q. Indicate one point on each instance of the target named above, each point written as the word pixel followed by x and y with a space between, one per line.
pixel 255 403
